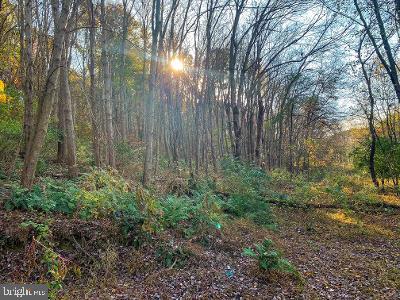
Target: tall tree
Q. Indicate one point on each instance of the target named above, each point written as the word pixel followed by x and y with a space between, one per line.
pixel 150 103
pixel 107 86
pixel 60 17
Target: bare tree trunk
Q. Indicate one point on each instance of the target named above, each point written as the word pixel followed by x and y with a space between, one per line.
pixel 110 154
pixel 65 95
pixel 28 74
pixel 397 7
pixel 93 101
pixel 40 129
pixel 156 27
pixel 370 117
pixel 122 105
pixel 260 124
pixel 232 82
pixel 61 148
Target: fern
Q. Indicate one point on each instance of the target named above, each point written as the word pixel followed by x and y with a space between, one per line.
pixel 269 258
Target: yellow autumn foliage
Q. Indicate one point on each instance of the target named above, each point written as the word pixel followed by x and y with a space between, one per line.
pixel 3 97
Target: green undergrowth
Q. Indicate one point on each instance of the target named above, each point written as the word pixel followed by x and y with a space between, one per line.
pixel 205 208
pixel 269 258
pixel 245 187
pixel 337 188
pixel 238 192
pixel 41 254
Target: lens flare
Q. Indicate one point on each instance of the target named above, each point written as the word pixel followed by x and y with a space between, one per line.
pixel 177 64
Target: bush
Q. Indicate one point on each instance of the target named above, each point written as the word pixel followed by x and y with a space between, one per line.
pixel 84 152
pixel 307 193
pixel 268 258
pixel 241 178
pixel 194 214
pixel 125 153
pixel 53 196
pixel 96 195
pixel 251 207
pixel 171 255
pixel 57 267
pixel 207 211
pixel 339 196
pixel 176 210
pixel 103 193
pixel 246 187
pixel 366 195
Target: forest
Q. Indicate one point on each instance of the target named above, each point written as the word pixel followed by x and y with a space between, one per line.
pixel 184 149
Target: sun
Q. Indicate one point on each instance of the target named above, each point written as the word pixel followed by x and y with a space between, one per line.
pixel 177 64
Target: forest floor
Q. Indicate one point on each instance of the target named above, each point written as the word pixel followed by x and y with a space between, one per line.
pixel 339 254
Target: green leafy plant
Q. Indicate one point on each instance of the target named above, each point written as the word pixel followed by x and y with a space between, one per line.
pixel 387 157
pixel 269 258
pixel 251 207
pixel 57 266
pixel 338 195
pixel 176 210
pixel 149 207
pixel 52 195
pixel 246 187
pixel 172 256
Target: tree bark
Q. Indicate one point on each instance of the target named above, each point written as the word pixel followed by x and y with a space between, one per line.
pixel 28 74
pixel 156 27
pixel 92 90
pixel 38 135
pixel 65 98
pixel 107 86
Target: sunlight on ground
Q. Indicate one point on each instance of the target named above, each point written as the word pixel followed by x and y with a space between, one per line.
pixel 379 230
pixel 344 218
pixel 390 199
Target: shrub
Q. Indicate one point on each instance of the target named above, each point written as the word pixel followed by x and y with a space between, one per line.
pixel 268 258
pixel 53 196
pixel 53 136
pixel 246 187
pixel 367 195
pixel 125 153
pixel 127 213
pixel 84 152
pixel 207 211
pixel 339 196
pixel 281 179
pixel 99 179
pixel 55 264
pixel 195 214
pixel 97 194
pixel 176 209
pixel 149 207
pixel 240 178
pixel 309 193
pixel 104 193
pixel 252 207
pixel 172 255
